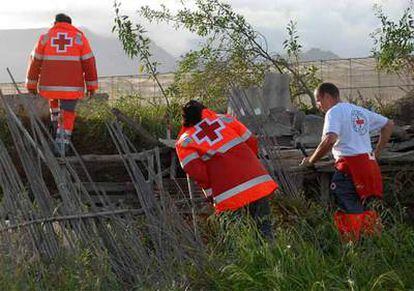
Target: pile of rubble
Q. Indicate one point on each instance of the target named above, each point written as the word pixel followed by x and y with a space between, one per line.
pixel 288 126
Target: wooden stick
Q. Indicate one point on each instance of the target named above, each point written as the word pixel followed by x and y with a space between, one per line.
pixel 20 125
pixel 134 125
pixel 107 158
pixel 73 217
pixel 193 211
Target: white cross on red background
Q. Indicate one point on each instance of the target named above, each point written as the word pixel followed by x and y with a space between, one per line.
pixel 209 131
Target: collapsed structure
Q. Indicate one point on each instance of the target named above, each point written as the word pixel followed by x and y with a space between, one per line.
pixel 82 208
pixel 269 111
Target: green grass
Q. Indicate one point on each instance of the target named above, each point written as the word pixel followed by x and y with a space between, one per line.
pixel 306 256
pixel 91 135
pixel 81 271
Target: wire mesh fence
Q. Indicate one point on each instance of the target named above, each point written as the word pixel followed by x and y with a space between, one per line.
pixel 356 77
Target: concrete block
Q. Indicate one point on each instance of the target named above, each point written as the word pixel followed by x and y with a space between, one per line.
pixel 311 131
pixel 276 91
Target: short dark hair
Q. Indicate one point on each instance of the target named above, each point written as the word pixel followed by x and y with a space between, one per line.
pixel 192 112
pixel 61 17
pixel 329 88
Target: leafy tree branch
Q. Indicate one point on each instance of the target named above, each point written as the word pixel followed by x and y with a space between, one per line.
pixel 136 44
pixel 394 41
pixel 230 37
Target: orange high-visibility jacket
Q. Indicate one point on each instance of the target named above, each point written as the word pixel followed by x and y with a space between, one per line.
pixel 220 154
pixel 62 63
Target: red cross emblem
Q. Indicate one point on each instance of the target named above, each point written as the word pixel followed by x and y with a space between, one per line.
pixel 209 131
pixel 61 42
pixel 359 121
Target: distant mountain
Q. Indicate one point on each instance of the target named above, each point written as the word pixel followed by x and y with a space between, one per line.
pixel 16 45
pixel 316 54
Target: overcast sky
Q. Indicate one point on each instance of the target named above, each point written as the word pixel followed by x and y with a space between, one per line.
pixel 341 26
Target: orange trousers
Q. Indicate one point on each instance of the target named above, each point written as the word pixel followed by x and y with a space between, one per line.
pixel 352 226
pixel 63 112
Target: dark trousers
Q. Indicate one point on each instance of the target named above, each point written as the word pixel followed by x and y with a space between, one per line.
pixel 345 195
pixel 260 211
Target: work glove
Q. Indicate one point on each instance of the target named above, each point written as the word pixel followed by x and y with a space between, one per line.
pixel 306 163
pixel 209 199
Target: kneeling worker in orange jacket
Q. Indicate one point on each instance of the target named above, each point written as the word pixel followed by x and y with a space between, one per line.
pixel 60 66
pixel 357 179
pixel 220 154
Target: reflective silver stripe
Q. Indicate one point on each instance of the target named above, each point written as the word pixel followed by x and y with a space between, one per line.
pixel 54 110
pixel 225 147
pixel 242 187
pixel 61 58
pixel 226 118
pixel 45 38
pixel 37 56
pixel 91 83
pixel 78 38
pixel 246 135
pixel 31 81
pixel 62 88
pixel 208 155
pixel 188 159
pixel 87 56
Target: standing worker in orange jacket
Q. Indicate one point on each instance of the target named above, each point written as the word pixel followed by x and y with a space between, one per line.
pixel 61 64
pixel 220 154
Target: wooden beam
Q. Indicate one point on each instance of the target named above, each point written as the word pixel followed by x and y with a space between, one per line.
pixel 109 186
pixel 402 146
pixel 395 157
pixel 116 158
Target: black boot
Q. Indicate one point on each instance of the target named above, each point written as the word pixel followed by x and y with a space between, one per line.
pixel 260 211
pixel 53 126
